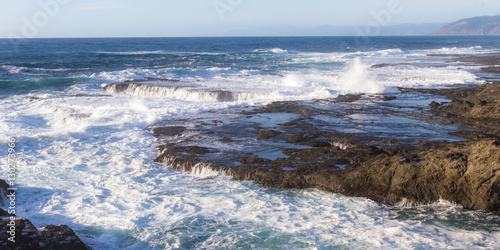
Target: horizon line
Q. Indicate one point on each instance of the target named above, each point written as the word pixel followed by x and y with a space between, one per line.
pixel 249 36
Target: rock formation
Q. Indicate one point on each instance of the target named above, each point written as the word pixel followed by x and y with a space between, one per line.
pixel 22 234
pixel 377 147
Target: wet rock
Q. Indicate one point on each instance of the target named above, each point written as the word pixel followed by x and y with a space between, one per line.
pixel 479 108
pixel 226 139
pixel 195 150
pixel 296 138
pixel 285 107
pixel 318 143
pixel 378 151
pixel 381 65
pixel 348 98
pixel 171 88
pixel 27 236
pixel 3 191
pixel 474 135
pixel 492 69
pixel 252 160
pixel 388 98
pixel 168 131
pixel 435 104
pixel 60 236
pixel 266 134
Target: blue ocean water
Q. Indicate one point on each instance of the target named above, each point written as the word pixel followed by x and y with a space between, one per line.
pixel 86 158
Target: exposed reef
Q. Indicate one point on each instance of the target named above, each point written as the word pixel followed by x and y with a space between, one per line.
pixel 172 88
pixel 413 147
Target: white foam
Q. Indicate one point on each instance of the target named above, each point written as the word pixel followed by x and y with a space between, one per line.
pixel 456 50
pixel 131 73
pixel 354 79
pixel 273 50
pixel 204 170
pixel 426 76
pixel 182 93
pixel 336 73
pixel 155 52
pixel 13 69
pixel 102 183
pixel 384 52
pixel 87 162
pixel 357 79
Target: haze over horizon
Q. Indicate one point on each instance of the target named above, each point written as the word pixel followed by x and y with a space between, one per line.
pixel 113 18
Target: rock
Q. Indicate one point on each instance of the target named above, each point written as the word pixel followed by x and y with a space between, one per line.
pixel 266 134
pixel 355 149
pixel 389 98
pixel 60 236
pixel 3 191
pixel 171 88
pixel 348 98
pixel 492 69
pixel 168 131
pixel 476 109
pixel 27 236
pixel 296 138
pixel 435 104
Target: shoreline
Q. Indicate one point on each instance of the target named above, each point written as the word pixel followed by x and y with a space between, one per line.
pixel 307 154
pixel 20 233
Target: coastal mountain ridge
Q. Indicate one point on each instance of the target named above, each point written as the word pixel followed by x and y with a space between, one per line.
pixel 475 26
pixel 330 30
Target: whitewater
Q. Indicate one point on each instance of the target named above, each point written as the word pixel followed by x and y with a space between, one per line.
pixel 86 156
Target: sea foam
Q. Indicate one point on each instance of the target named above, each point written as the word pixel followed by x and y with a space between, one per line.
pixel 88 162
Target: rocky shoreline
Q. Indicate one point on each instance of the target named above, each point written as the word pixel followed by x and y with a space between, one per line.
pixel 27 236
pixel 415 147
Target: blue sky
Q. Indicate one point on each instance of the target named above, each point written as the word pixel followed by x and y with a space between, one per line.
pixel 158 18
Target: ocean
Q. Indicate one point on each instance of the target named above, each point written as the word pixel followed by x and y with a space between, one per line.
pixel 86 156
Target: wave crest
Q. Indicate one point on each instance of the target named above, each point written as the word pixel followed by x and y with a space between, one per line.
pixel 182 92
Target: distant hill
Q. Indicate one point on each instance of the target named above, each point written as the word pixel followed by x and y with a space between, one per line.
pixel 328 30
pixel 410 29
pixel 476 26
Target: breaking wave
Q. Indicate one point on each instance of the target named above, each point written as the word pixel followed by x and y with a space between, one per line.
pixel 176 92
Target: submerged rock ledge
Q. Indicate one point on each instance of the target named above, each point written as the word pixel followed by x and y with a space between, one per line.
pixel 393 150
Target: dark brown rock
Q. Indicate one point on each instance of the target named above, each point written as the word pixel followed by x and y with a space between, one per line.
pixel 27 236
pixel 168 131
pixel 492 69
pixel 3 191
pixel 479 108
pixel 311 152
pixel 347 98
pixel 266 134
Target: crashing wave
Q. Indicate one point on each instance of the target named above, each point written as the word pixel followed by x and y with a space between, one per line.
pixel 182 92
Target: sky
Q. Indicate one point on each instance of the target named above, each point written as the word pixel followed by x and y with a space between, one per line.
pixel 181 18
